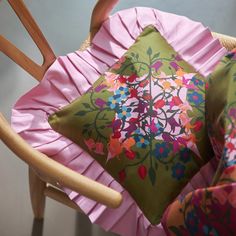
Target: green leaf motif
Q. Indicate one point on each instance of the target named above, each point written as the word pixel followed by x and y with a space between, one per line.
pixel 149 51
pixel 152 175
pixel 156 56
pixel 81 113
pixel 234 77
pixel 86 105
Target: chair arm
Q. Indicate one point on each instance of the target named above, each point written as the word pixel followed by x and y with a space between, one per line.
pixel 56 171
pixel 100 13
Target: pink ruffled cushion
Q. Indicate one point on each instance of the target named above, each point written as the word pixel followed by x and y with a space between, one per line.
pixel 72 75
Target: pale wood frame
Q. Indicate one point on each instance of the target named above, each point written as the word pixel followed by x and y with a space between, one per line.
pixel 42 169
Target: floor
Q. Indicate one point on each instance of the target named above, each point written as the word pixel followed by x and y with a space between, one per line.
pixel 65 25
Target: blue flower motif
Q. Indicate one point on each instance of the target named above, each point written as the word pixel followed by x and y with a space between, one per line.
pixel 195 98
pixel 124 112
pixel 178 171
pixel 141 142
pixel 208 230
pixel 192 222
pixel 114 101
pixel 137 131
pixel 185 155
pixel 122 92
pixel 197 81
pixel 225 158
pixel 161 150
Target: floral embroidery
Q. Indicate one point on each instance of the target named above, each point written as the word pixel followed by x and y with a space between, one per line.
pixel 212 210
pixel 195 98
pixel 162 150
pixel 143 121
pixel 148 108
pixel 178 171
pixel 150 111
pixel 206 212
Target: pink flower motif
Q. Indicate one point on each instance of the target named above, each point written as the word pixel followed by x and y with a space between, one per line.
pixel 184 119
pixel 230 146
pixel 157 65
pixel 100 87
pixel 90 143
pixel 198 125
pixel 185 107
pixel 229 170
pixel 174 65
pixel 112 81
pixel 142 172
pixel 178 58
pixel 176 101
pixel 159 103
pixel 153 127
pixel 100 103
pixel 122 176
pixel 99 148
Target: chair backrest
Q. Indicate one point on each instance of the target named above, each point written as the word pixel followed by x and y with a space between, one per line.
pixel 37 71
pixel 100 13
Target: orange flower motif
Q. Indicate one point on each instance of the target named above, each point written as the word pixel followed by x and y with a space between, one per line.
pixel 112 82
pixel 128 143
pixel 179 82
pixel 192 138
pixel 180 72
pixel 114 147
pixel 188 126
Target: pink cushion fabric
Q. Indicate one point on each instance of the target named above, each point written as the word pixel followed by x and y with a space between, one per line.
pixel 72 75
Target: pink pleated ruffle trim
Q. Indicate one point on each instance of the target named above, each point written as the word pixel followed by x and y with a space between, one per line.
pixel 71 76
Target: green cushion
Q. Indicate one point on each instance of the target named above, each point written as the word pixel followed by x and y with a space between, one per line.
pixel 143 121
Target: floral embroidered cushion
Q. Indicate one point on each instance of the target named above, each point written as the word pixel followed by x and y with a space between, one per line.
pixel 143 120
pixel 212 210
pixel 221 110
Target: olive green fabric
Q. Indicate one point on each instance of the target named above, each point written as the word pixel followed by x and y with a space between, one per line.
pixel 221 110
pixel 143 121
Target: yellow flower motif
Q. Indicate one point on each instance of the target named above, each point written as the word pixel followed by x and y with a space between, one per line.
pixel 180 72
pixel 179 82
pixel 166 85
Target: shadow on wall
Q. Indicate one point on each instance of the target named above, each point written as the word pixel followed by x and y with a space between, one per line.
pixel 37 228
pixel 82 227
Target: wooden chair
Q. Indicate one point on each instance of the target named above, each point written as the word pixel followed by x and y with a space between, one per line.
pixel 45 174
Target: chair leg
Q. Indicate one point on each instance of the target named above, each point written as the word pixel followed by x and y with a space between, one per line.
pixel 37 186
